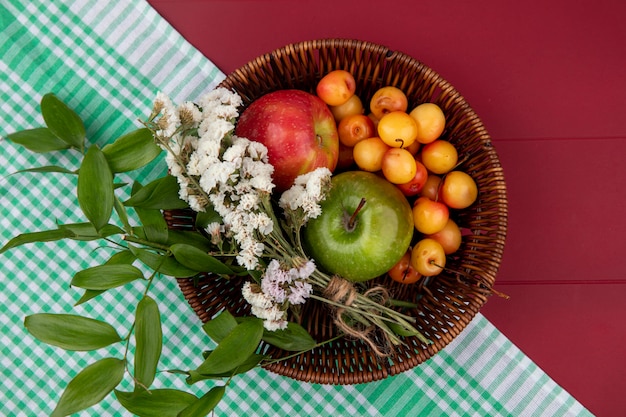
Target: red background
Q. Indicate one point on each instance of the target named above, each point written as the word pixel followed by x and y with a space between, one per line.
pixel 548 79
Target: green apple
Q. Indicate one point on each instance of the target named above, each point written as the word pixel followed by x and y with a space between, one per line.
pixel 365 227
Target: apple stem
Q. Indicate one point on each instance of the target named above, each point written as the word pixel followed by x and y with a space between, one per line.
pixel 352 220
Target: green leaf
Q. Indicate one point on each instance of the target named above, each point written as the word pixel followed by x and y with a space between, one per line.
pixel 250 363
pixel 131 151
pixel 95 188
pixel 39 140
pixel 205 404
pixel 164 264
pixel 122 214
pixel 174 236
pixel 35 237
pixel 71 332
pixel 149 341
pixel 294 338
pixel 104 277
pixel 161 194
pixel 403 331
pixel 154 224
pixel 86 231
pixel 234 349
pixel 197 259
pixel 62 121
pixel 219 326
pixel 191 238
pixel 122 257
pixel 47 170
pixel 88 295
pixel 90 386
pixel 156 402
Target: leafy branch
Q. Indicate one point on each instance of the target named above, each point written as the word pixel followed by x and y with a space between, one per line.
pixel 149 242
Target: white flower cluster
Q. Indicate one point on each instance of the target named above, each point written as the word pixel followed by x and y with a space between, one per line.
pixel 306 193
pixel 213 166
pixel 279 288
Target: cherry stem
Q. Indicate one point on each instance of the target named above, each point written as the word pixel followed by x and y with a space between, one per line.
pixel 500 294
pixel 352 220
pixel 435 263
pixel 439 187
pixel 496 292
pixel 401 142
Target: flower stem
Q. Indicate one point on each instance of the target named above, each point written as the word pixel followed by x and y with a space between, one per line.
pixel 133 239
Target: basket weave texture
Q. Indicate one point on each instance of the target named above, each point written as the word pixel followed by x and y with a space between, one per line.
pixel 448 302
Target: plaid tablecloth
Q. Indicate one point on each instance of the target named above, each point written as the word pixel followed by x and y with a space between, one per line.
pixel 107 60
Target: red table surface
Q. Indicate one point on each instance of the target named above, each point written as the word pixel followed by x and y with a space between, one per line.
pixel 548 79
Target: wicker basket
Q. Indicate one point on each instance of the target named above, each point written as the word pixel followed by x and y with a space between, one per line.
pixel 448 302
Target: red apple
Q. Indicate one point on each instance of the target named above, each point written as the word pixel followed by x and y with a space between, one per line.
pixel 298 130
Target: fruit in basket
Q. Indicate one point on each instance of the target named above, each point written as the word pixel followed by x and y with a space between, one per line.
pixel 429 216
pixel 458 190
pixel 345 160
pixel 368 154
pixel 414 148
pixel 414 186
pixel 431 187
pixel 439 156
pixel 354 105
pixel 403 272
pixel 355 128
pixel 365 227
pixel 397 129
pixel 336 87
pixel 298 130
pixel 430 122
pixel 449 237
pixel 428 257
pixel 398 166
pixel 374 119
pixel 388 99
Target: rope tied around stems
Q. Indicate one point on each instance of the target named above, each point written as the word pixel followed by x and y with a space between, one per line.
pixel 341 291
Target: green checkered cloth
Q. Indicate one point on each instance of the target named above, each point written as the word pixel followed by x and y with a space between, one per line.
pixel 107 60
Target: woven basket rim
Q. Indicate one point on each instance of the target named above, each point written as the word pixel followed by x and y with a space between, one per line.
pixel 447 303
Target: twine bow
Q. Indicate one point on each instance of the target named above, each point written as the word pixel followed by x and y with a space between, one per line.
pixel 343 294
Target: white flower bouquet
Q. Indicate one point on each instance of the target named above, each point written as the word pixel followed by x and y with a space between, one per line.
pixel 216 170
